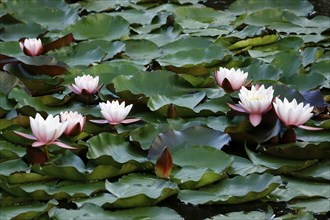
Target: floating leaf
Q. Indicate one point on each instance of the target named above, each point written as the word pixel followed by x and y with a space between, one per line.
pixel 133 190
pixel 301 150
pixel 106 148
pixel 276 164
pixel 189 137
pixel 88 211
pixel 300 7
pixel 316 206
pixel 99 26
pixel 319 171
pixel 29 211
pixel 300 189
pixel 15 32
pixel 232 191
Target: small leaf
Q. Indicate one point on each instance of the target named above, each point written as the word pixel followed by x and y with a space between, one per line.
pixel 164 164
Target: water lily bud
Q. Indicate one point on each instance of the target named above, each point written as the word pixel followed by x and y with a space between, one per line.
pixel 76 122
pixel 46 131
pixel 171 111
pixel 86 84
pixel 256 102
pixel 164 164
pixel 292 114
pixel 115 113
pixel 32 46
pixel 230 79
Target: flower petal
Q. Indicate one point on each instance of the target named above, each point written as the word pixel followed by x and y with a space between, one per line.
pixel 61 144
pixel 255 119
pixel 236 108
pixel 28 136
pixel 310 128
pixel 130 120
pixel 99 121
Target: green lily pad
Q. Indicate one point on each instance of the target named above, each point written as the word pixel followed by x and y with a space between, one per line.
pixel 277 164
pixel 108 149
pixel 188 100
pixel 144 83
pixel 196 172
pixel 29 211
pixel 71 167
pixel 88 211
pixel 15 32
pixel 12 166
pixel 244 215
pixel 99 26
pixel 243 167
pixel 301 150
pixel 192 136
pixel 299 7
pixel 10 151
pixel 150 50
pixel 53 189
pixel 300 189
pixel 56 15
pixel 133 190
pixel 318 172
pixel 232 191
pixel 89 52
pixel 316 206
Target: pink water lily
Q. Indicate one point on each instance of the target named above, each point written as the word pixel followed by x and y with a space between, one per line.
pixel 230 79
pixel 46 132
pixel 31 46
pixel 86 84
pixel 256 102
pixel 292 114
pixel 76 122
pixel 115 113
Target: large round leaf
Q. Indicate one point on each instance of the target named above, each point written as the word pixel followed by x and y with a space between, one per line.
pixel 192 136
pixel 99 26
pixel 232 191
pixel 107 147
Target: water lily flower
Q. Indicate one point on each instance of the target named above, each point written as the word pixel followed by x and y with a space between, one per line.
pixel 256 102
pixel 292 114
pixel 76 122
pixel 115 113
pixel 86 84
pixel 46 132
pixel 230 79
pixel 31 46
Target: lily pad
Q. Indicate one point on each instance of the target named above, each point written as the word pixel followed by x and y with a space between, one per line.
pixel 232 191
pixel 99 26
pixel 276 164
pixel 300 189
pixel 189 137
pixel 133 190
pixel 106 148
pixel 88 211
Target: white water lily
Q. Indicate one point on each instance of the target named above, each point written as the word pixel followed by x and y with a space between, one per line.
pixel 31 46
pixel 85 84
pixel 230 79
pixel 292 114
pixel 115 113
pixel 76 122
pixel 256 102
pixel 46 132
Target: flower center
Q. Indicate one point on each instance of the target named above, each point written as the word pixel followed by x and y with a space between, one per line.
pixel 255 98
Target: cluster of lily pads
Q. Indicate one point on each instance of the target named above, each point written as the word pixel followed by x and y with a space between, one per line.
pixel 112 110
